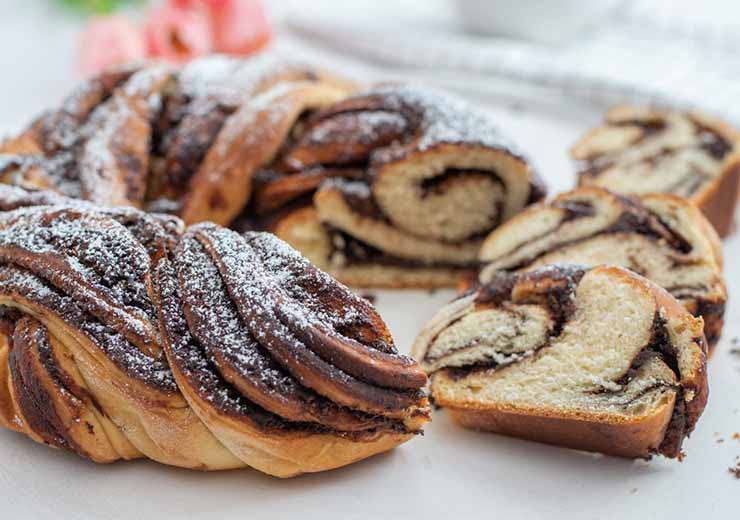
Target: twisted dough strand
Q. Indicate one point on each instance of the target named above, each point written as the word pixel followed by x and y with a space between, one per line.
pixel 122 338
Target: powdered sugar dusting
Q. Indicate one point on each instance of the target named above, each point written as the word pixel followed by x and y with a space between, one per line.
pixel 363 127
pixel 443 118
pixel 148 370
pixel 191 362
pixel 218 327
pixel 228 77
pixel 94 259
pixel 97 162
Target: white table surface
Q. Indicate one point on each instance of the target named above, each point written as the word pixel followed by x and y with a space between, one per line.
pixel 448 471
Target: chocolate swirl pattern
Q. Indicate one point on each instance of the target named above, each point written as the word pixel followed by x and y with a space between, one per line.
pixel 644 150
pixel 661 237
pixel 392 186
pixel 533 355
pixel 407 181
pixel 144 136
pixel 123 337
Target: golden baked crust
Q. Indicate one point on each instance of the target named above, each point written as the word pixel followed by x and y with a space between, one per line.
pixel 121 337
pixel 640 150
pixel 161 138
pixel 221 187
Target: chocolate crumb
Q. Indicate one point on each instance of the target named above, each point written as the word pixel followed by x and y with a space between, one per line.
pixel 735 341
pixel 735 351
pixel 735 470
pixel 370 297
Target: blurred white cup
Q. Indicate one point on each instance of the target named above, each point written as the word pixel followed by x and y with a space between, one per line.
pixel 546 21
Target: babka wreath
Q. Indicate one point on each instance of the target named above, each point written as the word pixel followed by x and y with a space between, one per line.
pixel 174 244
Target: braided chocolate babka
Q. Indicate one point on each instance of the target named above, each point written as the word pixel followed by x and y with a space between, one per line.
pixel 659 236
pixel 407 182
pixel 645 150
pixel 151 136
pixel 393 186
pixel 121 337
pixel 597 359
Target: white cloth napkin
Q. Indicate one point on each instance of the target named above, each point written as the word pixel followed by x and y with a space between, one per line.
pixel 678 53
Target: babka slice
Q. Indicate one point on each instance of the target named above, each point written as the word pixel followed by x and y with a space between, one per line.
pixel 408 182
pixel 659 236
pixel 645 150
pixel 597 359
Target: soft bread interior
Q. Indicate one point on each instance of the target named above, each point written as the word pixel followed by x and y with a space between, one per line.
pixel 621 370
pixel 466 205
pixel 579 372
pixel 592 226
pixel 304 231
pixel 545 227
pixel 499 335
pixel 641 150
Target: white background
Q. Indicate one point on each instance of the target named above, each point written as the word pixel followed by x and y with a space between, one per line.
pixel 447 472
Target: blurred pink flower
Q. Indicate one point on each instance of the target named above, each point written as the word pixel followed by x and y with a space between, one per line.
pixel 108 41
pixel 238 26
pixel 176 33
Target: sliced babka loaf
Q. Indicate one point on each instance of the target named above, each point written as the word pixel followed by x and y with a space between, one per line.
pixel 645 150
pixel 661 237
pixel 408 181
pixel 597 359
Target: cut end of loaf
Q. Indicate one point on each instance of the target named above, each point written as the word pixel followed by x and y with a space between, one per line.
pixel 641 150
pixel 596 359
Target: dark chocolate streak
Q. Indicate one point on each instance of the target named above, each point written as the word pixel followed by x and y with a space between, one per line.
pixel 357 252
pixel 434 184
pixel 713 314
pixel 36 404
pixel 661 346
pixel 636 220
pixel 640 220
pixel 559 283
pixel 711 142
pixel 188 357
